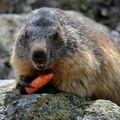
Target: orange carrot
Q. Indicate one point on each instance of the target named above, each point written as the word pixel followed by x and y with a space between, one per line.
pixel 38 83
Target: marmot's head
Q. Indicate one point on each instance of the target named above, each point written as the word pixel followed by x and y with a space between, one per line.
pixel 45 40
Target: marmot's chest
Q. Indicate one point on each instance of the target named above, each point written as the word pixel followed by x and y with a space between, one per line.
pixel 66 80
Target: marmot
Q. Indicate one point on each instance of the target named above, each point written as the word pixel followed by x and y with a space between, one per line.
pixel 84 59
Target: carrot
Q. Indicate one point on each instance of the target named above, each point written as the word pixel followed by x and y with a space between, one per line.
pixel 38 83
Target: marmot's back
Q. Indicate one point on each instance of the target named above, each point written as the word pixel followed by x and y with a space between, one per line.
pixel 82 56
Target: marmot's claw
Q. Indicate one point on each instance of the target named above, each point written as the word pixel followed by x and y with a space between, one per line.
pixel 21 89
pixel 27 79
pixel 24 82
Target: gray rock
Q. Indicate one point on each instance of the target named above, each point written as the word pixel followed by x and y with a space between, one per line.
pixel 60 106
pixel 9 27
pixel 115 35
pixel 14 6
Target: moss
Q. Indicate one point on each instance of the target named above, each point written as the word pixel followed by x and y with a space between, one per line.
pixel 102 108
pixel 54 101
pixel 58 115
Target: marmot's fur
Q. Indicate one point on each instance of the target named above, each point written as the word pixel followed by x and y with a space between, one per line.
pixel 84 59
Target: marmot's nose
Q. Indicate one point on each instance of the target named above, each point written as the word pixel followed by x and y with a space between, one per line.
pixel 39 57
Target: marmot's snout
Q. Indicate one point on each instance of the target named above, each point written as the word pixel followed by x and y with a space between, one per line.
pixel 39 58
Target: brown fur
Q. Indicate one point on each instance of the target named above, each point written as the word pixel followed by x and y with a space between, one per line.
pixel 85 74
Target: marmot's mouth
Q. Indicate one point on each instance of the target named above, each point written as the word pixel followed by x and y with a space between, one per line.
pixel 44 67
pixel 41 67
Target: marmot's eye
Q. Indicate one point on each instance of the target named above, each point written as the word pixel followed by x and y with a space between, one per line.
pixel 26 35
pixel 57 41
pixel 23 37
pixel 55 36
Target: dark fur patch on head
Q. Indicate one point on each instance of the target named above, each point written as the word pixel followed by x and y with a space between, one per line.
pixel 43 22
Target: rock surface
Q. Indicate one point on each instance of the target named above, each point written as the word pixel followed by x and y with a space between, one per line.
pixel 9 27
pixel 58 106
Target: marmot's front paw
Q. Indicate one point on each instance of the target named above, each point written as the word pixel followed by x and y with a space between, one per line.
pixel 24 82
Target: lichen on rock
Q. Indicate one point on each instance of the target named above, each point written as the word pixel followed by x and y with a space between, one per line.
pixel 46 106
